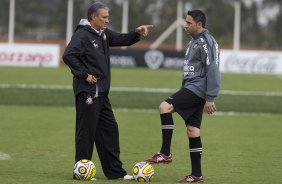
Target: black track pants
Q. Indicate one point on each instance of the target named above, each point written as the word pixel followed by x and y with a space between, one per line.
pixel 95 122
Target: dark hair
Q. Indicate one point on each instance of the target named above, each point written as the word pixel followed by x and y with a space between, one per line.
pixel 198 16
pixel 94 9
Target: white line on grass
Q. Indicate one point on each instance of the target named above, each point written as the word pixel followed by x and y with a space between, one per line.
pixel 136 89
pixel 136 110
pixel 219 113
pixel 36 86
pixel 231 113
pixel 250 93
pixel 4 156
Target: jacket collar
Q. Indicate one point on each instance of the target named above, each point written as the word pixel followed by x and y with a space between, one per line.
pixel 86 24
pixel 200 34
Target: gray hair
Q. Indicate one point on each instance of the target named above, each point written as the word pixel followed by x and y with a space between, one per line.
pixel 94 9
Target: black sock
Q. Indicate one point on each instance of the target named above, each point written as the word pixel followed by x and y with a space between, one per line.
pixel 167 129
pixel 195 148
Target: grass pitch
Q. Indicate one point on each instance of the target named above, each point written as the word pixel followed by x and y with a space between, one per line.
pixel 37 128
pixel 259 86
pixel 237 149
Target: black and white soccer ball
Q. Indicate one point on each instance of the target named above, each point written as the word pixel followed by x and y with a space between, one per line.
pixel 143 172
pixel 84 170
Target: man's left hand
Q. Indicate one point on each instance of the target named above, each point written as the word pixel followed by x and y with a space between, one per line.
pixel 210 107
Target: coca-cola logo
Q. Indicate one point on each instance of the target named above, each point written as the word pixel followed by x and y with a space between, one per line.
pixel 262 63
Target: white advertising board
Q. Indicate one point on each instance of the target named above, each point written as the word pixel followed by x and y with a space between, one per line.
pixel 30 55
pixel 244 61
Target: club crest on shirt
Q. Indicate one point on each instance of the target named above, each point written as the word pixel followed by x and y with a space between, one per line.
pixel 195 45
pixel 89 100
pixel 95 44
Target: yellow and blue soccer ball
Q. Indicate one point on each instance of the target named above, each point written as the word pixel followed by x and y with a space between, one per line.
pixel 143 172
pixel 84 170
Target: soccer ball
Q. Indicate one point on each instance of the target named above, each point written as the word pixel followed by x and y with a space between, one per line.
pixel 143 172
pixel 84 170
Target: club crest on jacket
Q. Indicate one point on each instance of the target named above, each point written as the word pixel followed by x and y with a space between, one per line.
pixel 89 100
pixel 95 44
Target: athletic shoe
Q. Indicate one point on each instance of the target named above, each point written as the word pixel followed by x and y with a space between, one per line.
pixel 191 179
pixel 128 177
pixel 160 158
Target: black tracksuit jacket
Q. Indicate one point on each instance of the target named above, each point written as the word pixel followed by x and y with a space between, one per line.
pixel 88 53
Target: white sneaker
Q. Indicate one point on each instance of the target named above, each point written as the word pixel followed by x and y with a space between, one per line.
pixel 128 177
pixel 93 179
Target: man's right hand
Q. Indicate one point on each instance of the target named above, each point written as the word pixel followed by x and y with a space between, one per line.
pixel 91 79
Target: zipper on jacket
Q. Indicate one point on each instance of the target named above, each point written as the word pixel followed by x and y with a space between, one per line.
pixel 97 89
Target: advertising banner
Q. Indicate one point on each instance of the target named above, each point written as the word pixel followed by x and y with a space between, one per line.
pixel 152 59
pixel 265 62
pixel 30 55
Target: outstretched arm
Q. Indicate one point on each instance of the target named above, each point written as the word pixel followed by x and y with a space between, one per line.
pixel 126 39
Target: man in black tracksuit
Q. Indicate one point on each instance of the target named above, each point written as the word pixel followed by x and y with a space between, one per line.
pixel 87 56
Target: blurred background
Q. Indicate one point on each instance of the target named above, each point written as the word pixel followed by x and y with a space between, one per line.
pixel 37 112
pixel 45 21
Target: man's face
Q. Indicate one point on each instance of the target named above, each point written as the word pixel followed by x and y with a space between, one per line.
pixel 101 20
pixel 191 26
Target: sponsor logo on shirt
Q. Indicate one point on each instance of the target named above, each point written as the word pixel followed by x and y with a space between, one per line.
pixel 217 54
pixel 188 70
pixel 206 50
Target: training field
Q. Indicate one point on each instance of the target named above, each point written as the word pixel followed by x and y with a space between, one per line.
pixel 241 142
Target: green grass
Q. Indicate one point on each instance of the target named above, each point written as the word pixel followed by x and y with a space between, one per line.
pixel 37 128
pixel 138 78
pixel 141 77
pixel 237 149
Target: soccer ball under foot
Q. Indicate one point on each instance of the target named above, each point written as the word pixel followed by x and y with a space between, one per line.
pixel 84 170
pixel 143 172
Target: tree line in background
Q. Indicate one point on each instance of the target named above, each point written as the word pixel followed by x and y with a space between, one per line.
pixel 46 19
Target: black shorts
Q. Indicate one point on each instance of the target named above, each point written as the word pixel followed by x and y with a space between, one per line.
pixel 188 105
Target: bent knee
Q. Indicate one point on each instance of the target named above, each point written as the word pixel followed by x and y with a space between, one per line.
pixel 165 108
pixel 193 131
